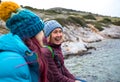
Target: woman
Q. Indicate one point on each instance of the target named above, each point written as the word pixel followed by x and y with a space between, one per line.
pixel 20 57
pixel 57 71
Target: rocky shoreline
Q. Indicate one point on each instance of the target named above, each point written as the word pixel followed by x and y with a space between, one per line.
pixel 78 39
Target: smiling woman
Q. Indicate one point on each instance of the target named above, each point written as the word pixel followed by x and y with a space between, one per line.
pixel 57 72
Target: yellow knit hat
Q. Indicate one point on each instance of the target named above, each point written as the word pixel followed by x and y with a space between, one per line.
pixel 6 8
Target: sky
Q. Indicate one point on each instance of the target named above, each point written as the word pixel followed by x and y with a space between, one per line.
pixel 102 7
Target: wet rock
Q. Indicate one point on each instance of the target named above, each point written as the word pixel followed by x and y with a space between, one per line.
pixel 73 47
pixel 77 54
pixel 111 32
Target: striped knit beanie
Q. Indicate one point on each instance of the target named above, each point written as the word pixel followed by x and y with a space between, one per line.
pixel 22 22
pixel 50 26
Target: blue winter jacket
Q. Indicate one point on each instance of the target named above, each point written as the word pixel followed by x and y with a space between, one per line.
pixel 17 62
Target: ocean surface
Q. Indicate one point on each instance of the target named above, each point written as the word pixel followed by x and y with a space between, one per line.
pixel 102 65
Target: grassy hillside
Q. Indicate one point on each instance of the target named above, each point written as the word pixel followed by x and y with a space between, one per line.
pixel 69 16
pixel 79 18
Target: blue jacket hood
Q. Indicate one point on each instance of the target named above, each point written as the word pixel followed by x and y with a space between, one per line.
pixel 13 43
pixel 10 42
pixel 12 48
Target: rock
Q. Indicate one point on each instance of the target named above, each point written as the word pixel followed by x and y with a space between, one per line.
pixel 73 47
pixel 77 54
pixel 81 34
pixel 111 32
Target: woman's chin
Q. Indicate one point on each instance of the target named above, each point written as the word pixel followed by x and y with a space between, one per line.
pixel 58 42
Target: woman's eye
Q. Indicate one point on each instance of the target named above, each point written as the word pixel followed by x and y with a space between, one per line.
pixel 55 32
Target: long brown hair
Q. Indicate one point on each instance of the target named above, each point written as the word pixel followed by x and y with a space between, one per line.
pixel 34 45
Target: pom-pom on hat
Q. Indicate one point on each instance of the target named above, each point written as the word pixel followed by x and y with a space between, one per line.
pixel 24 23
pixel 6 8
pixel 50 26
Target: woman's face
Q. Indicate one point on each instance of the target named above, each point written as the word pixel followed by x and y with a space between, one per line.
pixel 56 36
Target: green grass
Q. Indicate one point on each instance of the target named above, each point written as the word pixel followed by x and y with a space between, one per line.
pixel 90 16
pixel 69 17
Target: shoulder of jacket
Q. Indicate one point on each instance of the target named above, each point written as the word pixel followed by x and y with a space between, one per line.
pixel 51 50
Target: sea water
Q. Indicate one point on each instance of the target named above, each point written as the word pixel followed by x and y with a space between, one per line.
pixel 102 65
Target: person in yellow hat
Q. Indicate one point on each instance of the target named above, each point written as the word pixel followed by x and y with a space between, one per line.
pixel 21 59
